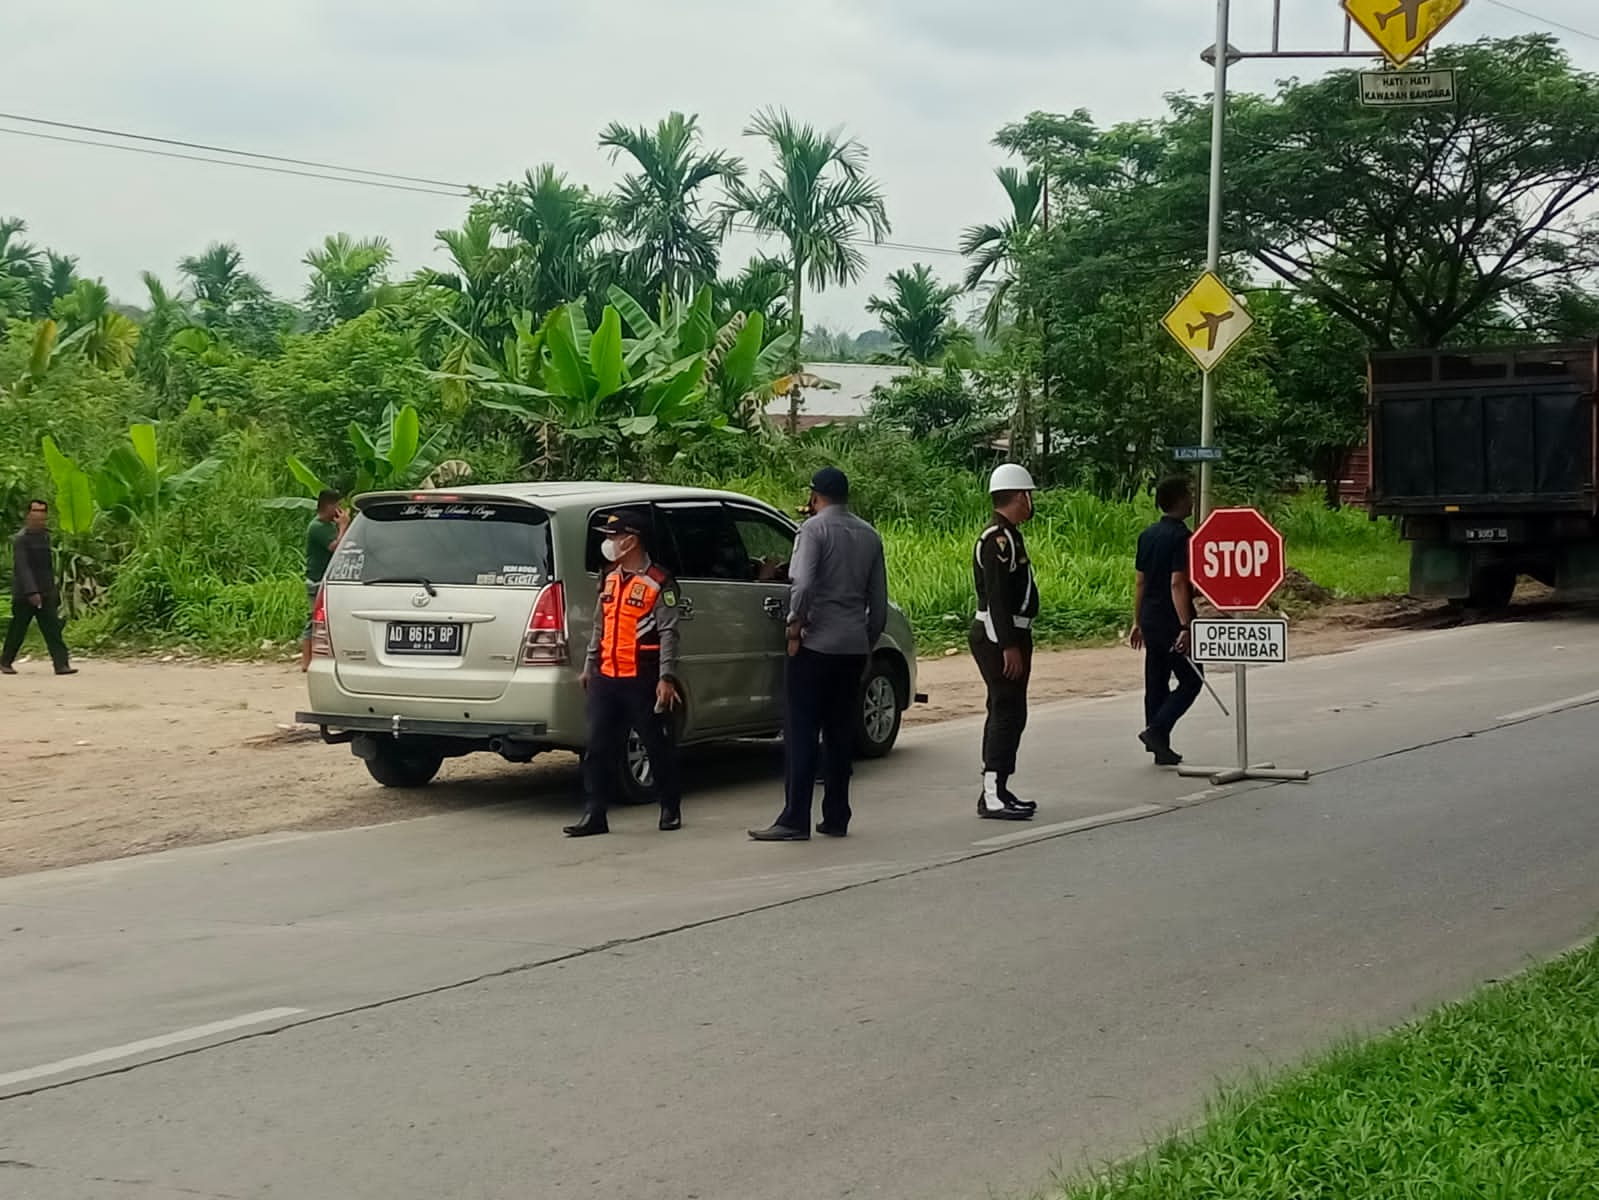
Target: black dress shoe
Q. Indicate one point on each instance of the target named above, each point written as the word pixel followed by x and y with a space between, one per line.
pixel 589 826
pixel 1165 756
pixel 7 669
pixel 779 833
pixel 671 822
pixel 66 670
pixel 827 830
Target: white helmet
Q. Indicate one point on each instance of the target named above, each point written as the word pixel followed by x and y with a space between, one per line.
pixel 1011 477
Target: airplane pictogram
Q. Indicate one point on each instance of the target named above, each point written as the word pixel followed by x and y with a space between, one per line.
pixel 1210 322
pixel 1410 10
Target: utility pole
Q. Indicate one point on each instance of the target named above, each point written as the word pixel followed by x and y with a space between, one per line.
pixel 1221 55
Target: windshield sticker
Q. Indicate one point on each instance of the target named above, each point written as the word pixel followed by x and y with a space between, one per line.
pixel 521 579
pixel 347 565
pixel 451 512
pixel 487 577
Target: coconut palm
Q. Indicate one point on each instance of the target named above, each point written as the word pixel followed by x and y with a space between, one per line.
pixel 919 314
pixel 995 249
pixel 674 245
pixel 817 197
pixel 346 275
pixel 19 265
pixel 760 287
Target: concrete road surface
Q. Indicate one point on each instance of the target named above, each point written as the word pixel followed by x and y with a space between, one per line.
pixel 467 1006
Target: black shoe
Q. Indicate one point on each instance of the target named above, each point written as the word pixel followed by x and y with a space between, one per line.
pixel 1165 756
pixel 1014 801
pixel 1010 812
pixel 1151 741
pixel 827 830
pixel 7 669
pixel 671 821
pixel 589 826
pixel 66 670
pixel 779 833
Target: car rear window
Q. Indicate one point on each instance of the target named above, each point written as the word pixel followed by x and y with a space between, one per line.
pixel 470 542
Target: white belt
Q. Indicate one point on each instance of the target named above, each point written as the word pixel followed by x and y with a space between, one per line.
pixel 987 619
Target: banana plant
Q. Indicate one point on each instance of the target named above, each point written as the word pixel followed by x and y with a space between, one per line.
pixel 134 483
pixel 80 577
pixel 394 455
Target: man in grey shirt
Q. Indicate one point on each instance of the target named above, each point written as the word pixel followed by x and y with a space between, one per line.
pixel 34 596
pixel 838 607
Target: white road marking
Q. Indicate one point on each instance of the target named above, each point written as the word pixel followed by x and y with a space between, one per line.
pixel 129 1049
pixel 1554 706
pixel 1041 831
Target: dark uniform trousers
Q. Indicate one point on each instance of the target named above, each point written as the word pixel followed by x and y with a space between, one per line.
pixel 1164 705
pixel 823 690
pixel 1007 699
pixel 615 708
pixel 49 617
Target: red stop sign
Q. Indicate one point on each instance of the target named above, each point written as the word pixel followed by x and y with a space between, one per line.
pixel 1236 559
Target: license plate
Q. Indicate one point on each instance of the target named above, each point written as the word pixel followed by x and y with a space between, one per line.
pixel 1488 533
pixel 412 637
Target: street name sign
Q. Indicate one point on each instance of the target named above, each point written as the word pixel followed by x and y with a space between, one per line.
pixel 1197 454
pixel 1402 28
pixel 1247 640
pixel 1236 559
pixel 1208 321
pixel 1405 89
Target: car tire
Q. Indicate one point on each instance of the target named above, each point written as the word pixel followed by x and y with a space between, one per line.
pixel 880 708
pixel 396 765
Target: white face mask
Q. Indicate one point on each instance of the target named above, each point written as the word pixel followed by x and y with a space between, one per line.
pixel 609 549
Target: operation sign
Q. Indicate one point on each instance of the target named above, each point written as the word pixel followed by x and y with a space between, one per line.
pixel 1247 641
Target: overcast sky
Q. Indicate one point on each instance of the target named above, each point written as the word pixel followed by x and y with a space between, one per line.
pixel 480 90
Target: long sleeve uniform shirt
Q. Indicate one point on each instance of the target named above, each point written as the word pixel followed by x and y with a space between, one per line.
pixel 32 572
pixel 635 625
pixel 1007 594
pixel 839 594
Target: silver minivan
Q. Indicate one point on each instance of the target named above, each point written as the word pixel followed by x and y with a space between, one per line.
pixel 451 622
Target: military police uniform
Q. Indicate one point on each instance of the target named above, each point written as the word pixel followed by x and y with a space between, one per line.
pixel 1007 605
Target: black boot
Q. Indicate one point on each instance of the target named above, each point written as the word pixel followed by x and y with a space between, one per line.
pixel 1160 746
pixel 591 825
pixel 1011 798
pixel 671 819
pixel 992 806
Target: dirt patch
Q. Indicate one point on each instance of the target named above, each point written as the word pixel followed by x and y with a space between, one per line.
pixel 135 756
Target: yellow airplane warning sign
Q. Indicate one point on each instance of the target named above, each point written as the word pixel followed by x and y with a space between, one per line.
pixel 1208 321
pixel 1402 28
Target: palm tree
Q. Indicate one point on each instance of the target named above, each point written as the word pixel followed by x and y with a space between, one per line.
pixel 219 281
pixel 995 249
pixel 104 336
pixel 19 266
pixel 166 313
pixel 555 227
pixel 54 280
pixel 818 198
pixel 761 286
pixel 919 314
pixel 674 245
pixel 346 274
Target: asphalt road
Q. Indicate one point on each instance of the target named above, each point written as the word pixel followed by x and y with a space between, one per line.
pixel 466 1006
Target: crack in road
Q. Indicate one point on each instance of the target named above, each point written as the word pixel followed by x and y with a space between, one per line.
pixel 956 859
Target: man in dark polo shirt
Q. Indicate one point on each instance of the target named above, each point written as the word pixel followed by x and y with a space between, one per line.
pixel 1163 610
pixel 34 596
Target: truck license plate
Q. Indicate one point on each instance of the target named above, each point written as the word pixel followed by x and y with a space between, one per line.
pixel 1487 533
pixel 415 637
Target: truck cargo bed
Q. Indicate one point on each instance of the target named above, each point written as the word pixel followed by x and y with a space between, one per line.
pixel 1484 431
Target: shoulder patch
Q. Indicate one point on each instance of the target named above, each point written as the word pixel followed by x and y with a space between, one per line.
pixel 669 596
pixel 1003 543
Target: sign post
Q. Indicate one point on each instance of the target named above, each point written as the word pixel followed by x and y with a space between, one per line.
pixel 1236 562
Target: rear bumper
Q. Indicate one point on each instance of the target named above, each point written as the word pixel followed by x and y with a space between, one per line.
pixel 338 727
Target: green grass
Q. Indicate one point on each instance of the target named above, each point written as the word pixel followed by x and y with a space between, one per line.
pixel 1497 1097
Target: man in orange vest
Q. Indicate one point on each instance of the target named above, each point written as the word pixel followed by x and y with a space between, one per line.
pixel 630 675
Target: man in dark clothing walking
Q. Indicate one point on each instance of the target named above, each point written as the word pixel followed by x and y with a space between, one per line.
pixel 322 538
pixel 34 596
pixel 838 607
pixel 1163 611
pixel 1001 638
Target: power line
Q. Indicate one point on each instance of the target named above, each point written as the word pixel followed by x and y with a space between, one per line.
pixel 1546 20
pixel 370 178
pixel 277 158
pixel 223 162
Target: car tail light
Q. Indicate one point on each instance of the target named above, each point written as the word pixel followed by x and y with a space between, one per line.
pixel 321 640
pixel 545 644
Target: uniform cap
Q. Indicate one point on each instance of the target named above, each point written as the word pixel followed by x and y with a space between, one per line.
pixel 1011 477
pixel 619 523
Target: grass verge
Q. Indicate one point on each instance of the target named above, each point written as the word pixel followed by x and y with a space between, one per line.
pixel 1497 1096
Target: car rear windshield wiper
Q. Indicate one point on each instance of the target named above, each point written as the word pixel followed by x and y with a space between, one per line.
pixel 422 579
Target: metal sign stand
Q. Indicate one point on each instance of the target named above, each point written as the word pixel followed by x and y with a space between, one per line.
pixel 1245 769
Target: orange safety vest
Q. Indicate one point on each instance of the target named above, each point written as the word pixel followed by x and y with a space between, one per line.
pixel 628 628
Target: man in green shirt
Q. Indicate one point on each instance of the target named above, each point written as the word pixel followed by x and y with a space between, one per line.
pixel 321 540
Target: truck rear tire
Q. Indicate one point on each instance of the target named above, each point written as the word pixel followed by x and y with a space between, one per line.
pixel 396 765
pixel 1492 589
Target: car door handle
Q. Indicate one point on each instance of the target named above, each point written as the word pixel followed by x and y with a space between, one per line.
pixel 685 609
pixel 773 606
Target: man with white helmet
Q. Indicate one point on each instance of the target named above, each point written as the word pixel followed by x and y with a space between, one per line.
pixel 1002 637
